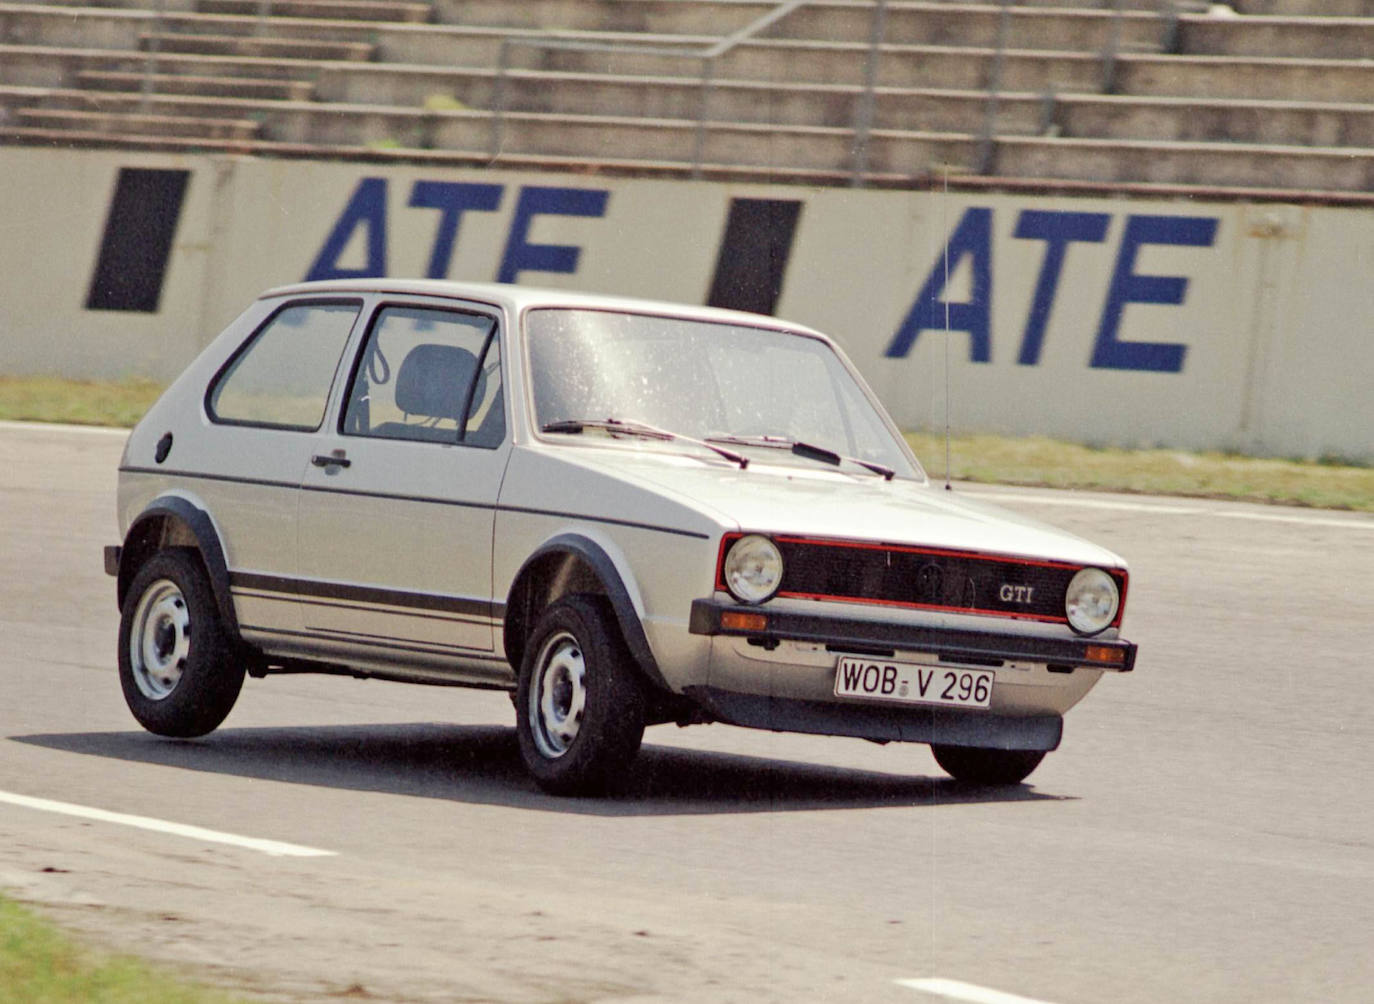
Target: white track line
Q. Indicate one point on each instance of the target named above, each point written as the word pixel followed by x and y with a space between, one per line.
pixel 955 990
pixel 79 430
pixel 1168 509
pixel 273 847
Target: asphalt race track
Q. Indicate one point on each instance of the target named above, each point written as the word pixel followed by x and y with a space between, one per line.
pixel 1206 832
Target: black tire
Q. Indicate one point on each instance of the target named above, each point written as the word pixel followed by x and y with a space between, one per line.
pixel 580 704
pixel 987 767
pixel 179 671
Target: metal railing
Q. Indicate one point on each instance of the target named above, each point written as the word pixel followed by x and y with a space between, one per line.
pixel 709 56
pixel 984 161
pixel 1167 11
pixel 864 113
pixel 145 85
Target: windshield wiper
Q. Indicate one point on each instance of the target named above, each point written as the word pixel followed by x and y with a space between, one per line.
pixel 807 450
pixel 629 427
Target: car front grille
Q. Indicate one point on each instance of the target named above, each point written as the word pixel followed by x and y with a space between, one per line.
pixel 924 578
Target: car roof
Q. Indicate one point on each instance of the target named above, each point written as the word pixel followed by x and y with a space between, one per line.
pixel 519 298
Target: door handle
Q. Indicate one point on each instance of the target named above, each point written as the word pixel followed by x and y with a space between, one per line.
pixel 336 459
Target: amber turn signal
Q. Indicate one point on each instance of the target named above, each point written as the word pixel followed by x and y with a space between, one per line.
pixel 743 620
pixel 1106 653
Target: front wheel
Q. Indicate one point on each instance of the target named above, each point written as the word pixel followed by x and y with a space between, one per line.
pixel 177 667
pixel 987 767
pixel 579 703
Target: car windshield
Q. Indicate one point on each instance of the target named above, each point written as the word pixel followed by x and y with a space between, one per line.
pixel 746 386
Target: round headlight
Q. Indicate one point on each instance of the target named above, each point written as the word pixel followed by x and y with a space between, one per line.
pixel 753 569
pixel 1092 601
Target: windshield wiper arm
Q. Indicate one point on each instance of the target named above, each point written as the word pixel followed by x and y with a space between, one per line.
pixel 809 451
pixel 632 428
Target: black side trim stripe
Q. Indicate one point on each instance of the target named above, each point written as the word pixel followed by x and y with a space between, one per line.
pixel 633 524
pixel 605 519
pixel 471 654
pixel 197 476
pixel 392 496
pixel 387 640
pixel 137 244
pixel 360 607
pixel 368 594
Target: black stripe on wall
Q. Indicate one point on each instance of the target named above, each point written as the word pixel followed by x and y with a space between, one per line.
pixel 753 254
pixel 139 230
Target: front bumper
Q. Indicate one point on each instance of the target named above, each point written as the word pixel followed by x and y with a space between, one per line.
pixel 774 668
pixel 883 723
pixel 865 637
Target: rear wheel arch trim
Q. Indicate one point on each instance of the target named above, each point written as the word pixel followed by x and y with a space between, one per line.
pixel 616 592
pixel 198 523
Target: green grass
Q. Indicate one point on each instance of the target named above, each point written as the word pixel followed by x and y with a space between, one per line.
pixel 38 965
pixel 1037 461
pixel 993 459
pixel 76 402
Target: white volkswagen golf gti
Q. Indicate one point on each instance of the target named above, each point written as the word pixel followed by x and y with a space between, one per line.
pixel 627 513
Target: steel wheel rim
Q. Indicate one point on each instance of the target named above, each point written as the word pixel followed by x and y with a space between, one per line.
pixel 160 641
pixel 558 696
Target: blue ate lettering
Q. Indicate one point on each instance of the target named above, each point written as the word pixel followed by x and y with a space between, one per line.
pixel 365 214
pixel 971 241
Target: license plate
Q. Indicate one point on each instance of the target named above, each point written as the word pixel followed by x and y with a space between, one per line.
pixel 911 683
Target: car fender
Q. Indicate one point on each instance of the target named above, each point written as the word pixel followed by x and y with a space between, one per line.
pixel 617 582
pixel 207 541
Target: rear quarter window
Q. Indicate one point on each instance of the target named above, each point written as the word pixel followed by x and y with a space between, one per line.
pixel 281 378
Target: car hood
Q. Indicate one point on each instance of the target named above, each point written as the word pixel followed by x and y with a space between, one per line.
pixel 820 501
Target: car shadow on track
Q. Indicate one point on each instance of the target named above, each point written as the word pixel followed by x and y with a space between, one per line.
pixel 481 765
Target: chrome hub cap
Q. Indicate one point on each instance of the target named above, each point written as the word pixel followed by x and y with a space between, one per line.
pixel 558 695
pixel 160 640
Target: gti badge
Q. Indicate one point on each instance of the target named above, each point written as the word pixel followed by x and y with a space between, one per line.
pixel 1015 594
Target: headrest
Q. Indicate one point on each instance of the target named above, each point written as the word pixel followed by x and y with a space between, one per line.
pixel 434 379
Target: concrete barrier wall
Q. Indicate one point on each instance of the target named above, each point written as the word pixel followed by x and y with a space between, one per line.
pixel 1177 323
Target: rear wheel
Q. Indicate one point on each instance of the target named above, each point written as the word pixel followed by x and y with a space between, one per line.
pixel 580 704
pixel 178 670
pixel 987 767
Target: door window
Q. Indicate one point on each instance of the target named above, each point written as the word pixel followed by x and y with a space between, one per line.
pixel 281 378
pixel 430 376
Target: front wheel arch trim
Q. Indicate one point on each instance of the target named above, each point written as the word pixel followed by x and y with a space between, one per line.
pixel 588 551
pixel 197 521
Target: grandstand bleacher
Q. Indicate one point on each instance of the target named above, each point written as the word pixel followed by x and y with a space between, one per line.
pixel 1254 95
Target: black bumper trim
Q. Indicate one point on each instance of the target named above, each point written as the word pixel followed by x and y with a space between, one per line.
pixel 883 723
pixel 113 552
pixel 954 644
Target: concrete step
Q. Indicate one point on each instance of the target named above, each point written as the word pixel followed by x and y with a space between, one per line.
pixel 843 63
pixel 165 106
pixel 55 66
pixel 1287 37
pixel 668 140
pixel 1305 8
pixel 206 86
pixel 589 166
pixel 333 10
pixel 1277 123
pixel 136 124
pixel 1344 81
pixel 1150 6
pixel 974 24
pixel 914 22
pixel 1219 165
pixel 388 11
pixel 256 47
pixel 672 97
pixel 117 28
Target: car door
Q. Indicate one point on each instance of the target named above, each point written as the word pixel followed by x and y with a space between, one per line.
pixel 246 463
pixel 398 506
